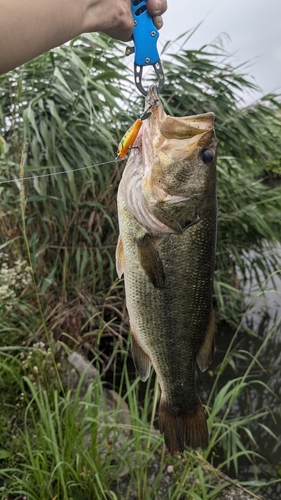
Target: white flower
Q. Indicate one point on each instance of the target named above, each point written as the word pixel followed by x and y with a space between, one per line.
pixel 12 279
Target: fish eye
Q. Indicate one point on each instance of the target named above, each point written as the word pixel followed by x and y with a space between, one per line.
pixel 207 156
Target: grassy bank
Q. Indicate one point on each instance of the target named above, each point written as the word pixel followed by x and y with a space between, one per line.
pixel 62 441
pixel 59 292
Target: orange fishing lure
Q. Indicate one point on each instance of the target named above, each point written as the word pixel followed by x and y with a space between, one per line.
pixel 129 138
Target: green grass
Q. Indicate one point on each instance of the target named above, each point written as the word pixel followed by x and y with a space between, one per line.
pixel 65 443
pixel 68 109
pixel 64 111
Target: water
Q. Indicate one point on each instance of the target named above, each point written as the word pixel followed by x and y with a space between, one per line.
pixel 263 318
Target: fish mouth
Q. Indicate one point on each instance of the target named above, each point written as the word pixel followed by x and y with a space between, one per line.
pixel 183 137
pixel 180 138
pixel 187 127
pixel 179 128
pixel 173 149
pixel 163 169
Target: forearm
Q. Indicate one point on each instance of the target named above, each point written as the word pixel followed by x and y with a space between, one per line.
pixel 30 27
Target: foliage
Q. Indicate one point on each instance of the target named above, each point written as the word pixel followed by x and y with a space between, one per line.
pixel 249 139
pixel 60 106
pixel 70 106
pixel 65 112
pixel 67 442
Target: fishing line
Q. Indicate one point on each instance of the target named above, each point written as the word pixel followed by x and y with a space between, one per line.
pixel 51 174
pixel 115 160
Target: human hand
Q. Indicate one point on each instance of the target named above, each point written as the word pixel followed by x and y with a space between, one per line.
pixel 29 28
pixel 156 8
pixel 114 17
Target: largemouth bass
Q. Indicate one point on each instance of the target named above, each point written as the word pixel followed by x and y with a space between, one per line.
pixel 166 250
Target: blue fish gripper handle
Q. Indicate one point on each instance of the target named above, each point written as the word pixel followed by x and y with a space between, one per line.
pixel 145 35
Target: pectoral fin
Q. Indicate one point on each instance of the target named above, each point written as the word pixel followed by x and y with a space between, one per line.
pixel 119 255
pixel 141 360
pixel 151 261
pixel 205 354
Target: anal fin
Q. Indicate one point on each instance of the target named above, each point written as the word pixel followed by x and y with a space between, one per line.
pixel 151 262
pixel 205 354
pixel 141 360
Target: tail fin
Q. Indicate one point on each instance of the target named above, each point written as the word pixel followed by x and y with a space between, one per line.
pixel 183 429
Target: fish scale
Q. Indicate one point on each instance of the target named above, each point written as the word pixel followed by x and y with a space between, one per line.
pixel 168 271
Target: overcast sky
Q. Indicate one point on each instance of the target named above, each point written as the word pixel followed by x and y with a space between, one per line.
pixel 254 28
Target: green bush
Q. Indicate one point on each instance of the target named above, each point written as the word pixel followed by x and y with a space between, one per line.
pixel 66 112
pixel 68 109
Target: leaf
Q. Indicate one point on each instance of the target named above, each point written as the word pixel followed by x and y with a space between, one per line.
pixel 5 454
